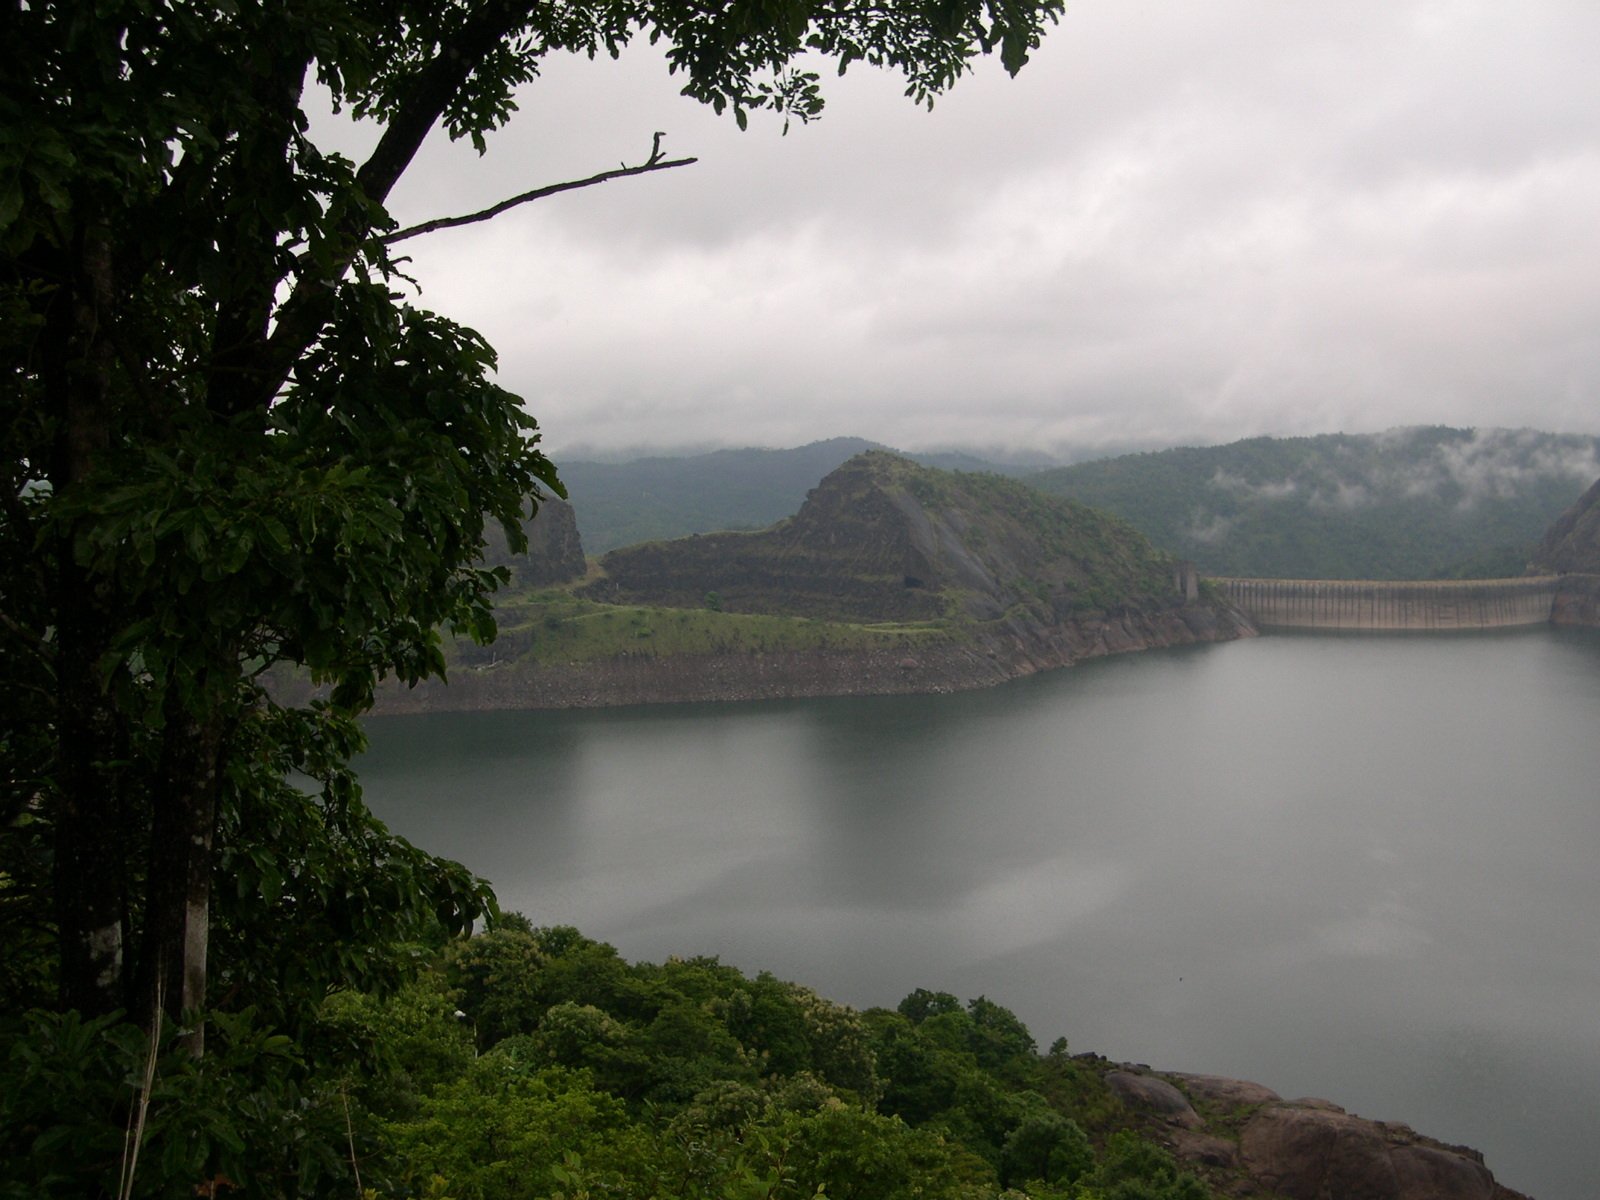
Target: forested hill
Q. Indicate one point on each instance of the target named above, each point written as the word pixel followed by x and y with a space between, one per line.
pixel 885 539
pixel 648 499
pixel 1415 503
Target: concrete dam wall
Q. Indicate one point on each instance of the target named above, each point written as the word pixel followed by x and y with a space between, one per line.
pixel 1375 605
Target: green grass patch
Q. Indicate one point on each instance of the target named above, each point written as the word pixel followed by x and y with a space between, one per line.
pixel 553 627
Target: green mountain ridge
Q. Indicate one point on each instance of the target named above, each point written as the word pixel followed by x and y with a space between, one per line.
pixel 1414 503
pixel 1422 502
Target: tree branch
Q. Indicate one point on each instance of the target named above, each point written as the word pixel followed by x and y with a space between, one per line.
pixel 301 317
pixel 654 163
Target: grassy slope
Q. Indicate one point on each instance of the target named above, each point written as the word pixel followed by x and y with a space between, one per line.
pixel 553 626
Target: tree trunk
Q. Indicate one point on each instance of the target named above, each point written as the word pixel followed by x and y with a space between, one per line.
pixel 89 829
pixel 91 918
pixel 173 958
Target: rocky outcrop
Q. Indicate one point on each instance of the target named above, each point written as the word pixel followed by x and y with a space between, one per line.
pixel 554 554
pixel 1153 1095
pixel 1571 545
pixel 1251 1142
pixel 1577 601
pixel 1571 549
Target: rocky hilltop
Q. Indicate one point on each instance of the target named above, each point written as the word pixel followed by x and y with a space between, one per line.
pixel 892 577
pixel 884 539
pixel 1571 548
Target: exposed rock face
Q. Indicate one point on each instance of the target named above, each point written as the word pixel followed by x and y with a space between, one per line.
pixel 1252 1143
pixel 1577 601
pixel 554 554
pixel 1571 549
pixel 1572 544
pixel 1152 1094
pixel 883 539
pixel 1308 1153
pixel 1230 1093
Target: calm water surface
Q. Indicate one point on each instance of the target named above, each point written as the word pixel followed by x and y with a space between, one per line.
pixel 1354 867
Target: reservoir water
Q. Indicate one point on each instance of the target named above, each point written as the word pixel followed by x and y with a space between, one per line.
pixel 1362 868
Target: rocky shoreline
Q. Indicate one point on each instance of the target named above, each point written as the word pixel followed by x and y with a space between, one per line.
pixel 995 653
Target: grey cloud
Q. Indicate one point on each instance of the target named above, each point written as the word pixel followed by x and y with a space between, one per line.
pixel 1209 528
pixel 1343 496
pixel 1239 486
pixel 1180 223
pixel 1498 463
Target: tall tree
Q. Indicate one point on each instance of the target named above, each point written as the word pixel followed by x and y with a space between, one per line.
pixel 230 444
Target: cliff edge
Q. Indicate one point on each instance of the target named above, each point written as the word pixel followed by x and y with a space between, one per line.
pixel 554 554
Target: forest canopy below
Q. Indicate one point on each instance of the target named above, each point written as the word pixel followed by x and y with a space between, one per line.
pixel 537 1063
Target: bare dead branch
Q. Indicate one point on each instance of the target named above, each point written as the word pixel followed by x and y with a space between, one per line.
pixel 654 163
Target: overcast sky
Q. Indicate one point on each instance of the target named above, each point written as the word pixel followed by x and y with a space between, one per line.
pixel 1185 222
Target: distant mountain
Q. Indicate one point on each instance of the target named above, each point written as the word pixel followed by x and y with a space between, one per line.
pixel 647 499
pixel 1415 503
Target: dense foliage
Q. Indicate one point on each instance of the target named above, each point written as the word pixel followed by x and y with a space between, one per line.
pixel 538 1063
pixel 1412 503
pixel 1408 504
pixel 230 443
